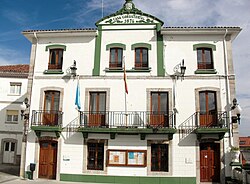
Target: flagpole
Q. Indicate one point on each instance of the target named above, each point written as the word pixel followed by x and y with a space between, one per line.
pixel 125 91
pixel 126 114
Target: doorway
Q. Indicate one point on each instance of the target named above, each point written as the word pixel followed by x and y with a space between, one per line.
pixel 9 151
pixel 48 159
pixel 210 162
pixel 208 108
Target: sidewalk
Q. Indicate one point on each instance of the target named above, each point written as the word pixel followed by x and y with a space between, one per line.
pixel 9 174
pixel 12 179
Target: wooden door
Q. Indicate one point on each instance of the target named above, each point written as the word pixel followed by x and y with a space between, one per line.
pixel 159 109
pixel 97 109
pixel 208 108
pixel 48 159
pixel 209 162
pixel 51 108
pixel 9 152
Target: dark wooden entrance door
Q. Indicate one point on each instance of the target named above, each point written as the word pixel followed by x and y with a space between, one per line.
pixel 209 162
pixel 48 159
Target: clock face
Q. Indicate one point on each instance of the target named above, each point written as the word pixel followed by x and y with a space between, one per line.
pixel 129 6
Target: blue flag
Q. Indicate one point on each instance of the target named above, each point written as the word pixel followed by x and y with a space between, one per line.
pixel 77 100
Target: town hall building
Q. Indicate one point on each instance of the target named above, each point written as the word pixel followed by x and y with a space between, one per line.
pixel 130 101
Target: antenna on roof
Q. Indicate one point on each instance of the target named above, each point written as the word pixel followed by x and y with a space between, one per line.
pixel 102 8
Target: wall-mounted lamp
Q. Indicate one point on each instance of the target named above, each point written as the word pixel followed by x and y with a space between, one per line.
pixel 236 111
pixel 179 70
pixel 24 107
pixel 73 69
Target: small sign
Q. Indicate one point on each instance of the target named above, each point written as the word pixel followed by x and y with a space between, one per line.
pixel 66 158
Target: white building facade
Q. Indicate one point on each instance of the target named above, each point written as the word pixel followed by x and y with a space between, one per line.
pixel 169 127
pixel 13 80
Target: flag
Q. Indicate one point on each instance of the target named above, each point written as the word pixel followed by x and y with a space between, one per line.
pixel 125 79
pixel 77 99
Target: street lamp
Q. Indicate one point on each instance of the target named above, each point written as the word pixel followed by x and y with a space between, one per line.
pixel 236 111
pixel 24 107
pixel 73 69
pixel 179 70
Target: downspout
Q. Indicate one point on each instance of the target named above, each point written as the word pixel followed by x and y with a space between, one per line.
pixel 227 88
pixel 174 79
pixel 26 121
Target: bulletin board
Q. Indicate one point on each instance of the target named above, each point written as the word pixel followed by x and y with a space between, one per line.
pixel 137 158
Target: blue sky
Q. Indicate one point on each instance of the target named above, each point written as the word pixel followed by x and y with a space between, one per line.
pixel 19 15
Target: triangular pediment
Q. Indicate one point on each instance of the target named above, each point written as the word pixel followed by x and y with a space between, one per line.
pixel 128 15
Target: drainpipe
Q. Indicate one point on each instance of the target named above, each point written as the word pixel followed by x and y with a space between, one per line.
pixel 26 120
pixel 227 88
pixel 174 79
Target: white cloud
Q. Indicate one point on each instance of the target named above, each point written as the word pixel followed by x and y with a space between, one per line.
pixel 15 16
pixel 10 56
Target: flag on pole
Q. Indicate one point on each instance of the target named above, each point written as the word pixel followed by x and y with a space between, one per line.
pixel 77 99
pixel 125 77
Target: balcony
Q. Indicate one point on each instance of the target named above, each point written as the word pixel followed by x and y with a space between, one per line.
pixel 46 121
pixel 207 125
pixel 134 122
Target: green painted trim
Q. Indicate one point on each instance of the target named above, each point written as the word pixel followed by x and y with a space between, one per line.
pixel 119 45
pixel 126 179
pixel 148 69
pixel 158 27
pixel 55 46
pixel 96 69
pixel 235 164
pixel 204 45
pixel 128 130
pixel 209 71
pixel 211 130
pixel 125 11
pixel 47 128
pixel 136 45
pixel 160 64
pixel 53 72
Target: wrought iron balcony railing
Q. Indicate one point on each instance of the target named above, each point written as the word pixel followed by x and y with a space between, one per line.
pixel 213 119
pixel 46 118
pixel 136 119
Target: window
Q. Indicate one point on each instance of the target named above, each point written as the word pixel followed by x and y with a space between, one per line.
pixel 159 157
pixel 95 156
pixel 51 114
pixel 208 108
pixel 242 142
pixel 97 108
pixel 15 88
pixel 116 55
pixel 141 58
pixel 12 116
pixel 159 109
pixel 205 58
pixel 55 59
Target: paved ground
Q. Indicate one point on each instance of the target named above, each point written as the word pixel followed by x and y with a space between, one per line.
pixel 9 174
